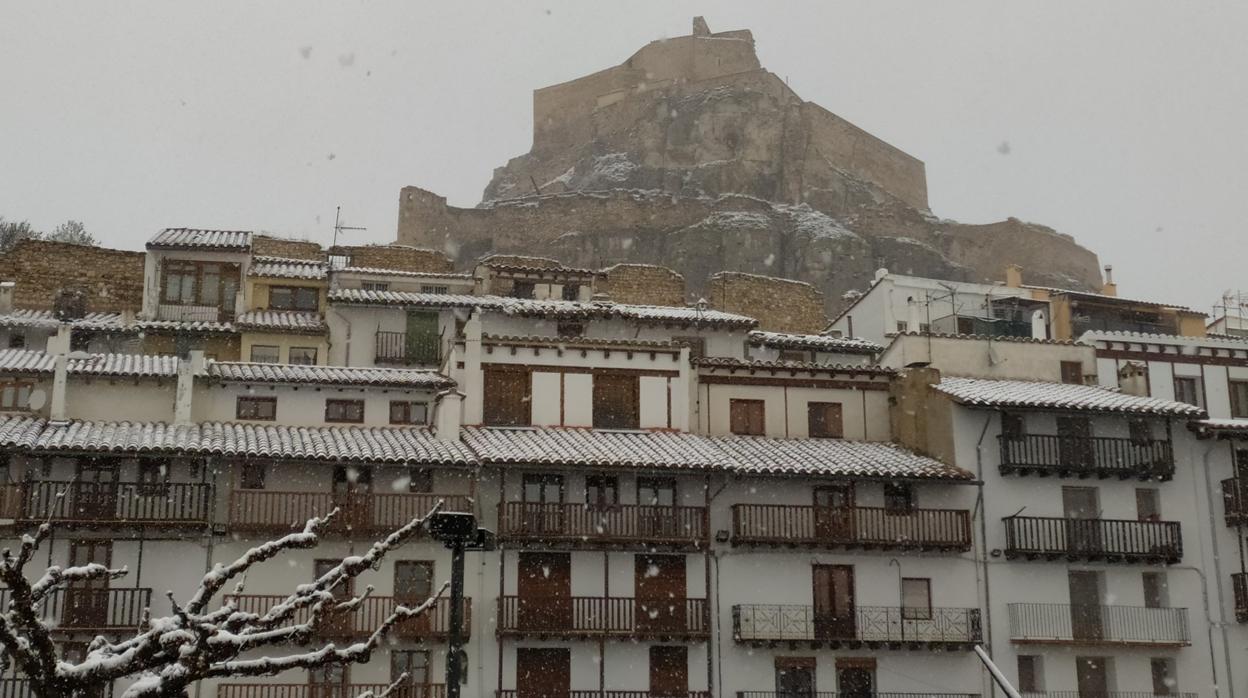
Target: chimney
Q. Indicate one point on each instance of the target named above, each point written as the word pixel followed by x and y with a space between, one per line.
pixel 1013 276
pixel 448 414
pixel 7 289
pixel 60 382
pixel 472 376
pixel 1110 288
pixel 59 342
pixel 183 398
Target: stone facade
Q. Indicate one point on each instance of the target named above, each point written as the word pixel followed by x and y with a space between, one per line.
pixel 781 305
pixel 111 280
pixel 397 257
pixel 269 246
pixel 644 284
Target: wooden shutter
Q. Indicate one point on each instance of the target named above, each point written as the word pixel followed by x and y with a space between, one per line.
pixel 747 417
pixel 617 401
pixel 1072 372
pixel 825 420
pixel 507 397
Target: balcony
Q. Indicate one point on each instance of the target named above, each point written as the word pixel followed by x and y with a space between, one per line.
pixel 114 503
pixel 77 609
pixel 595 693
pixel 20 688
pixel 192 313
pixel 1111 694
pixel 360 514
pixel 1064 624
pixel 1239 583
pixel 870 626
pixel 1235 501
pixel 1093 540
pixel 869 528
pixel 368 616
pixel 408 349
pixel 619 525
pixel 833 694
pixel 1087 456
pixel 603 617
pixel 335 690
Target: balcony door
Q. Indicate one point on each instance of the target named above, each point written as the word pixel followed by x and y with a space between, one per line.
pixel 656 516
pixel 351 488
pixel 1092 676
pixel 795 677
pixel 1074 442
pixel 413 584
pixel 834 512
pixel 544 584
pixel 328 681
pixel 659 583
pixel 835 616
pixel 86 602
pixel 543 672
pixel 335 624
pixel 421 343
pixel 855 681
pixel 1085 605
pixel 543 503
pixel 1081 507
pixel 669 672
pixel 96 491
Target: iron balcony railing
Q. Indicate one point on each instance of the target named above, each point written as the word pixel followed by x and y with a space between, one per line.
pixel 1113 694
pixel 406 349
pixel 833 694
pixel 1102 456
pixel 851 527
pixel 1235 501
pixel 360 513
pixel 1239 583
pixel 595 693
pixel 617 524
pixel 83 609
pixel 1108 540
pixel 368 616
pixel 767 623
pixel 595 616
pixel 148 503
pixel 326 690
pixel 1095 625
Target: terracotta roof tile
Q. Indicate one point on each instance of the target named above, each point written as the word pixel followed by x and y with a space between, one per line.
pixel 591 447
pixel 197 238
pixel 282 321
pixel 244 372
pixel 832 458
pixel 283 268
pixel 817 342
pixel 978 392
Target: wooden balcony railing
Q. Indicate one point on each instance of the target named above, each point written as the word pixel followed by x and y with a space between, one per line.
pixel 833 694
pixel 851 527
pixel 1235 501
pixel 595 693
pixel 370 614
pixel 1103 540
pixel 1100 456
pixel 408 350
pixel 1114 694
pixel 76 609
pixel 593 616
pixel 11 503
pixel 761 624
pixel 20 688
pixel 359 513
pixel 153 504
pixel 333 690
pixel 631 525
pixel 1098 625
pixel 1239 583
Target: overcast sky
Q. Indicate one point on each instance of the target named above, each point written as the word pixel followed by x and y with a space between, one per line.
pixel 1124 124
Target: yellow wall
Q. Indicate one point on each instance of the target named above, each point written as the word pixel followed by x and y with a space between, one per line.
pixel 284 342
pixel 219 347
pixel 258 291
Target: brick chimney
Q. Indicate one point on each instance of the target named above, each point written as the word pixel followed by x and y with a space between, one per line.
pixel 1013 276
pixel 1110 288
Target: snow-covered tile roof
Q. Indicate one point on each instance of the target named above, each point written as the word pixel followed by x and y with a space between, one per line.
pixel 809 366
pixel 336 443
pixel 44 319
pixel 25 361
pixel 377 271
pixel 1236 428
pixel 198 238
pixel 285 268
pixel 138 365
pixel 1103 297
pixel 19 431
pixel 817 342
pixel 760 455
pixel 591 447
pixel 579 341
pixel 1221 341
pixel 987 338
pixel 282 321
pixel 978 392
pixel 359 296
pixel 236 371
pixel 196 326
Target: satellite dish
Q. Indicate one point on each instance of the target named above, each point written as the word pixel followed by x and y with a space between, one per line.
pixel 38 398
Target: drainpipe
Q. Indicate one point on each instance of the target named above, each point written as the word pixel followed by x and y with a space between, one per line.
pixel 983 541
pixel 1204 585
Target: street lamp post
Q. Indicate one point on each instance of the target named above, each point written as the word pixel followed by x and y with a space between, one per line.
pixel 459 533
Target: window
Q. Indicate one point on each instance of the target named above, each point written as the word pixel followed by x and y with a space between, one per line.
pixel 902 326
pixel 15 395
pixel 265 354
pixel 570 328
pixel 824 420
pixel 179 285
pixel 17 340
pixel 253 476
pixel 794 355
pixel 352 479
pixel 1164 681
pixel 523 289
pixel 294 298
pixel 258 408
pixel 507 392
pixel 414 663
pixel 348 411
pixel 1012 427
pixel 540 488
pixel 153 478
pixel 1030 673
pixel 656 491
pixel 329 675
pixel 1072 372
pixel 374 286
pixel 747 417
pixel 1187 389
pixel 435 289
pixel 408 412
pixel 303 356
pixel 898 498
pixel 1141 431
pixel 571 292
pixel 419 480
pixel 602 491
pixel 1239 399
pixel 413 580
pixel 1156 590
pixel 1148 504
pixel 200 283
pixel 916 598
pixel 616 401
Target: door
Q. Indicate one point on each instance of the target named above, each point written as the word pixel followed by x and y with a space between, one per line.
pixel 659 584
pixel 1074 440
pixel 335 624
pixel 835 616
pixel 834 513
pixel 544 586
pixel 507 397
pixel 795 681
pixel 1085 605
pixel 414 663
pixel 543 504
pixel 656 507
pixel 351 495
pixel 1082 509
pixel 1092 676
pixel 421 342
pixel 855 682
pixel 669 672
pixel 86 603
pixel 413 584
pixel 544 672
pixel 96 491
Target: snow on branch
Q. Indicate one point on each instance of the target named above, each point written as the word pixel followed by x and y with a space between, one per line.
pixel 205 637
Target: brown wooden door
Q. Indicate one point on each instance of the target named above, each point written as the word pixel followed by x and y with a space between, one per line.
pixel 834 513
pixel 1092 676
pixel 86 603
pixel 543 503
pixel 508 397
pixel 329 681
pixel 656 502
pixel 352 490
pixel 659 584
pixel 1074 442
pixel 413 584
pixel 96 491
pixel 545 589
pixel 335 624
pixel 835 616
pixel 1085 605
pixel 669 672
pixel 1081 507
pixel 543 672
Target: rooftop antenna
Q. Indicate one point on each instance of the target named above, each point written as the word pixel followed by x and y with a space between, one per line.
pixel 339 227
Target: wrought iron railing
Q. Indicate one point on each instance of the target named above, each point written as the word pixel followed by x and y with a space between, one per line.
pixel 326 690
pixel 871 527
pixel 1239 583
pixel 1094 624
pixel 834 694
pixel 363 513
pixel 884 624
pixel 82 609
pixel 1105 456
pixel 1235 501
pixel 1093 539
pixel 584 524
pixel 586 616
pixel 1114 694
pixel 595 693
pixel 116 502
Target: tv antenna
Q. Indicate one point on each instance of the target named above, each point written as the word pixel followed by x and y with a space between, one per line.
pixel 339 227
